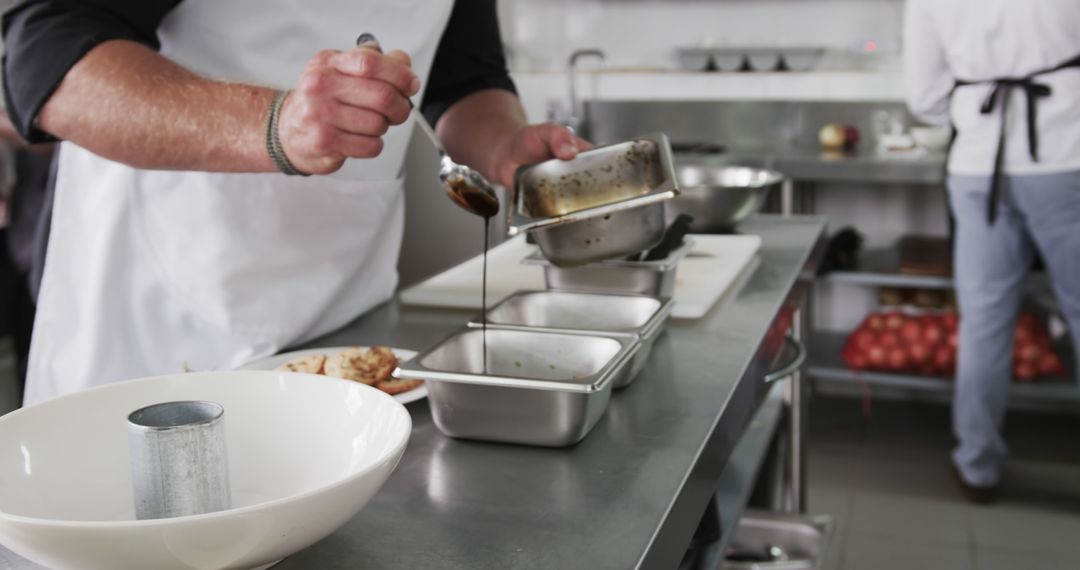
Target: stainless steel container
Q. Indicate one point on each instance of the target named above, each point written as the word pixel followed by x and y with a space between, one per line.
pixel 639 316
pixel 767 540
pixel 179 464
pixel 719 197
pixel 538 388
pixel 607 202
pixel 653 278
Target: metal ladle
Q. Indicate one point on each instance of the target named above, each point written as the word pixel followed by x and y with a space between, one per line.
pixel 465 187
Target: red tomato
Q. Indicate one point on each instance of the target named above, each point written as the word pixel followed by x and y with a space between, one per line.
pixel 919 352
pixel 1028 352
pixel 863 339
pixel 1028 321
pixel 1024 372
pixel 889 339
pixel 1050 365
pixel 950 320
pixel 893 321
pixel 1023 336
pixel 933 333
pixel 875 322
pixel 911 331
pixel 944 360
pixel 898 359
pixel 877 357
pixel 953 340
pixel 858 361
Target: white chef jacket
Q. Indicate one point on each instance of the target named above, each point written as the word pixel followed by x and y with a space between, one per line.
pixel 151 272
pixel 978 40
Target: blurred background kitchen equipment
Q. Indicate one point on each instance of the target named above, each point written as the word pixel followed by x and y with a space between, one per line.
pixel 719 197
pixel 179 462
pixel 932 138
pixel 748 58
pixel 608 202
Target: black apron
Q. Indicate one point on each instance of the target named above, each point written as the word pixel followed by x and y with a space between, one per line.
pixel 1003 88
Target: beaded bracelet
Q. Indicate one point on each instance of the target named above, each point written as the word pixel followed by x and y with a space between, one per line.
pixel 273 141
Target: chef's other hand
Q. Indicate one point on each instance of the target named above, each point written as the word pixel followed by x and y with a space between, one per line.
pixel 536 143
pixel 343 104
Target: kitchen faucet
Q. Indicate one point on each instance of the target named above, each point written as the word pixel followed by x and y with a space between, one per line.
pixel 576 108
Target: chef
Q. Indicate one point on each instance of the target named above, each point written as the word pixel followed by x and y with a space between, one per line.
pixel 229 184
pixel 1006 75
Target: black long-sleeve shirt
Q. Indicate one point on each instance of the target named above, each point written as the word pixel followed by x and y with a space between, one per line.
pixel 43 39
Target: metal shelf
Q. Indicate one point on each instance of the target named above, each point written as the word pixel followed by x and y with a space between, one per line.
pixel 881 268
pixel 824 363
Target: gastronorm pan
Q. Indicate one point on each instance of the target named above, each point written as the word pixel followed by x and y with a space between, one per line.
pixel 534 387
pixel 586 313
pixel 653 278
pixel 607 202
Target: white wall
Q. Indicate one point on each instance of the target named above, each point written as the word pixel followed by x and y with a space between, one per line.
pixel 636 34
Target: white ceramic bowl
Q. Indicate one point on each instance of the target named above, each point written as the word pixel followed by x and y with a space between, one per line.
pixel 305 454
pixel 932 138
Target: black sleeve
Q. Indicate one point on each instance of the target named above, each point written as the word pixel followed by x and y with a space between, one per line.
pixel 469 58
pixel 43 39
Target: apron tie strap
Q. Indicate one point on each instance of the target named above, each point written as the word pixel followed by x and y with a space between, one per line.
pixel 1002 90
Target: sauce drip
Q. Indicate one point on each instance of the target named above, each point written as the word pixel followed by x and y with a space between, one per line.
pixel 483 295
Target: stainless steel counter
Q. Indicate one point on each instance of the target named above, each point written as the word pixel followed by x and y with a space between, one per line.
pixel 630 494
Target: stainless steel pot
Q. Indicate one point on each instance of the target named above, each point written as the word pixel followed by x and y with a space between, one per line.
pixel 719 197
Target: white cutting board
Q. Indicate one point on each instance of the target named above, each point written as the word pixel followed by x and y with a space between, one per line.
pixel 713 265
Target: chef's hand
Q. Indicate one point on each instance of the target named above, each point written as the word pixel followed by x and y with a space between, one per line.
pixel 343 104
pixel 536 143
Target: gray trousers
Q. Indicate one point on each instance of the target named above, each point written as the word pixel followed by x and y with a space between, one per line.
pixel 990 264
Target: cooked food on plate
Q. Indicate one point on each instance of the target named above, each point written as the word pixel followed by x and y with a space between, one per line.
pixel 311 364
pixel 372 366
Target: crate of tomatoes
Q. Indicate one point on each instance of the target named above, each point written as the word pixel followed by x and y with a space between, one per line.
pixel 899 342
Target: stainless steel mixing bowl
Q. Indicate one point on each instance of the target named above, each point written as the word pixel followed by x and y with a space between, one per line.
pixel 719 197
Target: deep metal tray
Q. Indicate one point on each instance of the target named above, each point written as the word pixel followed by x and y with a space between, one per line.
pixel 598 182
pixel 538 388
pixel 574 312
pixel 653 278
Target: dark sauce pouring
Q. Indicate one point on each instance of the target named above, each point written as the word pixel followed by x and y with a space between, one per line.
pixel 484 205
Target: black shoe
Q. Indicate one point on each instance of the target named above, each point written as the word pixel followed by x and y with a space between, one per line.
pixel 978 494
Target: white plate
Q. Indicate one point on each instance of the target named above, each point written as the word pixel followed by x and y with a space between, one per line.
pixel 403 354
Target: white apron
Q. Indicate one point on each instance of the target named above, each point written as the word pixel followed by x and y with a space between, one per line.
pixel 151 271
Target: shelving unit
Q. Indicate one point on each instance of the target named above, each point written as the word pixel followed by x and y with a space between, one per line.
pixel 825 363
pixel 881 268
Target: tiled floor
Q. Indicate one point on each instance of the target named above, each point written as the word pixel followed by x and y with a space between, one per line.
pixel 887 481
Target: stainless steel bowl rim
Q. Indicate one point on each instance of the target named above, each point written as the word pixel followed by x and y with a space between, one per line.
pixel 770 178
pixel 596 382
pixel 665 191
